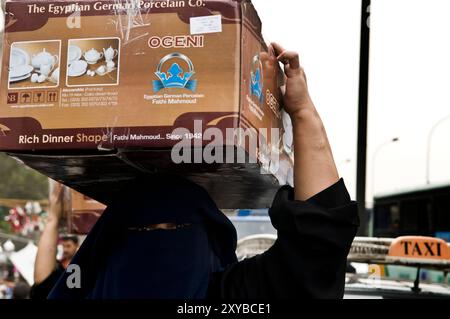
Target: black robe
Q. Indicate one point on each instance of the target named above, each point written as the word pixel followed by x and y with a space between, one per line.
pixel 309 258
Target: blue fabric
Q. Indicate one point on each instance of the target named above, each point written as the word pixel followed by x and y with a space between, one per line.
pixel 119 263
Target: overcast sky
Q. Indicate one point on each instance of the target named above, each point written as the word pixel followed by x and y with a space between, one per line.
pixel 409 82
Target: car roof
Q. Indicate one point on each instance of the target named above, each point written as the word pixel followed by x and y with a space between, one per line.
pixel 365 285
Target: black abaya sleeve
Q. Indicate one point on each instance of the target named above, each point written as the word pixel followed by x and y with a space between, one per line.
pixel 308 260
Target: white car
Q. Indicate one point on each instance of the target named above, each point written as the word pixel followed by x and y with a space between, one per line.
pixel 368 260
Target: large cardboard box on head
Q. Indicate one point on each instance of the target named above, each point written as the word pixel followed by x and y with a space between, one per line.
pixel 95 92
pixel 83 214
pixel 79 212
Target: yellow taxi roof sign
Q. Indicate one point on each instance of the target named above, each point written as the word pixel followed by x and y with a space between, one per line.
pixel 419 248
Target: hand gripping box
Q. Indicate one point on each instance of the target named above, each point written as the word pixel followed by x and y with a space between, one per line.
pixel 95 92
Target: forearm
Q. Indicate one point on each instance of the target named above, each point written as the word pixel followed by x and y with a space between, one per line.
pixel 314 167
pixel 46 256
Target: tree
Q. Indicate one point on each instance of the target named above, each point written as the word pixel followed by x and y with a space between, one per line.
pixel 20 182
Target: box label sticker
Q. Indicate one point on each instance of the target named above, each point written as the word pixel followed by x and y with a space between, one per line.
pixel 208 24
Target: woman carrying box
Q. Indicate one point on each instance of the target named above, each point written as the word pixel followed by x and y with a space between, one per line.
pixel 176 244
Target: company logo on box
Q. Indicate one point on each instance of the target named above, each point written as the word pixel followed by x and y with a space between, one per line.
pixel 175 77
pixel 256 85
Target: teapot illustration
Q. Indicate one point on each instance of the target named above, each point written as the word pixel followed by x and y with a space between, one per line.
pixel 44 58
pixel 110 53
pixel 92 56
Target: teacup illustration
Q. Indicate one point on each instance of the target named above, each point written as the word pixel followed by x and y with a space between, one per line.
pixel 55 76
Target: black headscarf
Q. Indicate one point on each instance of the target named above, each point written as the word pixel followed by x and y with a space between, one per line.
pixel 123 258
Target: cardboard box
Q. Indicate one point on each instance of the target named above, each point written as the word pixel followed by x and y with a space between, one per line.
pixel 84 213
pixel 79 212
pixel 94 92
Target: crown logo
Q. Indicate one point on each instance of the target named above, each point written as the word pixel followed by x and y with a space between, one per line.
pixel 256 85
pixel 175 76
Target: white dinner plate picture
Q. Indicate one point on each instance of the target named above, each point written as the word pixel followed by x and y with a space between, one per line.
pixel 76 73
pixel 77 68
pixel 20 78
pixel 20 71
pixel 18 57
pixel 74 54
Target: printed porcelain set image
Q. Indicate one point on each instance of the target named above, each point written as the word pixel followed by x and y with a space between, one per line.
pixel 35 64
pixel 39 68
pixel 78 62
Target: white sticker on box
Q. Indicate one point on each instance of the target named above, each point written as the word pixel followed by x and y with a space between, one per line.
pixel 208 24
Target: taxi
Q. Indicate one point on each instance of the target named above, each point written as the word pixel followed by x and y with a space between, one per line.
pixel 376 255
pixel 368 264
